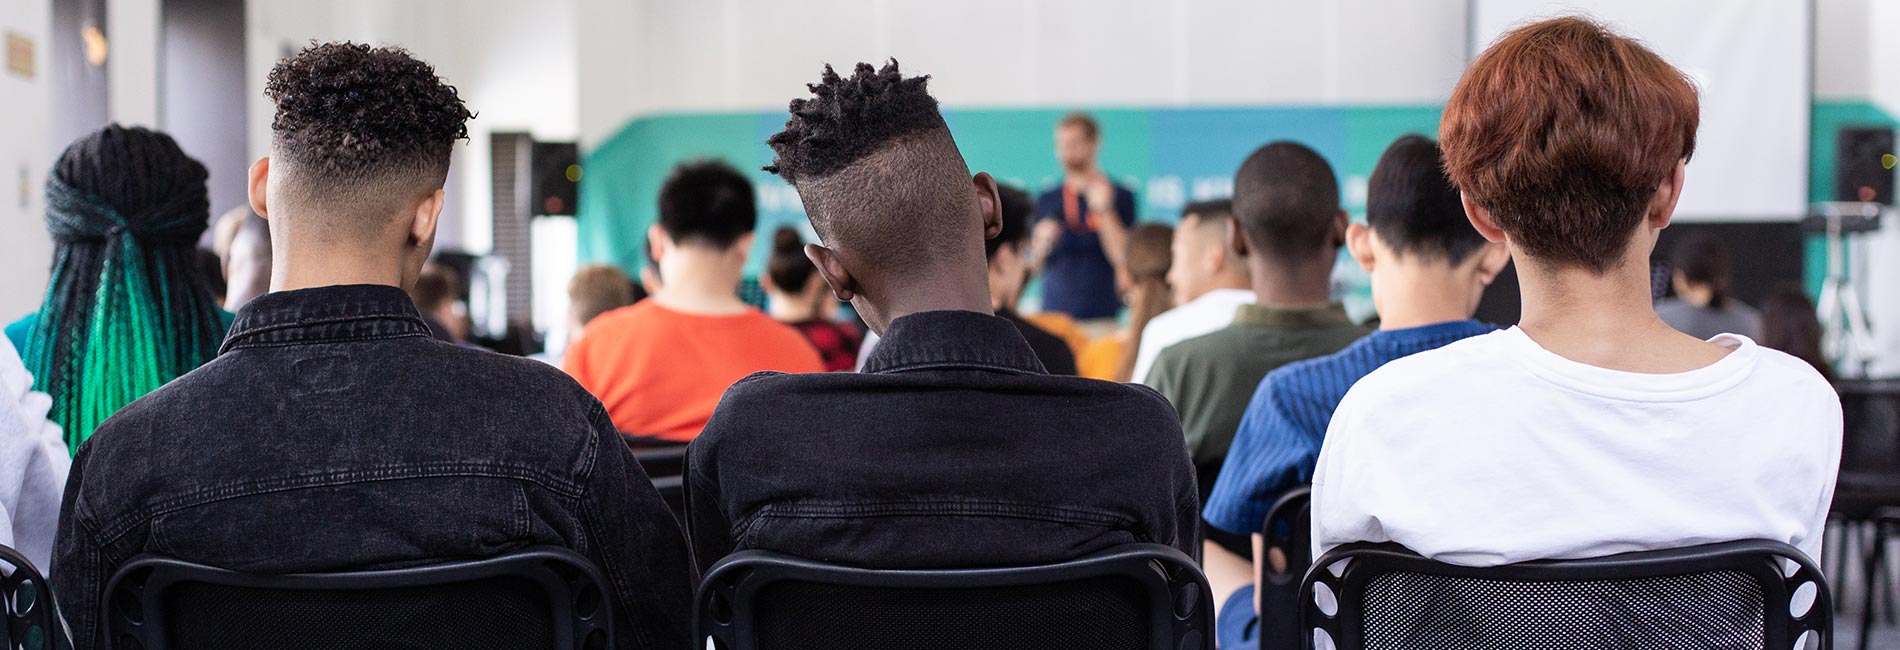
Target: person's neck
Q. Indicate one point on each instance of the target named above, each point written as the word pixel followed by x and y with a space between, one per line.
pixel 1228 282
pixel 932 290
pixel 1605 320
pixel 792 308
pixel 1306 285
pixel 304 267
pixel 1423 293
pixel 1077 178
pixel 700 281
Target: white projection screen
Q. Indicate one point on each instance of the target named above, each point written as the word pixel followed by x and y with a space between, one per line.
pixel 1752 60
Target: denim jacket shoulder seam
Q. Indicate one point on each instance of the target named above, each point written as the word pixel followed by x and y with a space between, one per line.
pixel 323 339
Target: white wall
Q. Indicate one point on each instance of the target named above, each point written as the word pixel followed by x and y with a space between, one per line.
pixel 132 70
pixel 26 250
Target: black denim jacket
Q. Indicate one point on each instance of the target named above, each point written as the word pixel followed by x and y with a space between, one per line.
pixel 952 449
pixel 332 433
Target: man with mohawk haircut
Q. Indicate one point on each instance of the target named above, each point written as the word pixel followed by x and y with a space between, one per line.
pixel 953 448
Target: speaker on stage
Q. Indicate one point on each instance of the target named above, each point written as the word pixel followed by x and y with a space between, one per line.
pixel 556 178
pixel 1859 172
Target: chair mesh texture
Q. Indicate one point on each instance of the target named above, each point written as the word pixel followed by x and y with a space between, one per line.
pixel 502 612
pixel 1703 611
pixel 1105 613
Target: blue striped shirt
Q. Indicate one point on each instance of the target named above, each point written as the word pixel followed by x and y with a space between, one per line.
pixel 1279 436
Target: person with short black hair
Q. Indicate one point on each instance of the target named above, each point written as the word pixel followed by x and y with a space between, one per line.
pixel 1288 227
pixel 1428 269
pixel 1081 227
pixel 661 364
pixel 332 433
pixel 1009 272
pixel 1210 283
pixel 1704 305
pixel 796 296
pixel 954 447
pixel 1592 428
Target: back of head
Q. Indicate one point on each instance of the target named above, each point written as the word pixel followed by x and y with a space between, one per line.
pixel 788 268
pixel 707 203
pixel 597 289
pixel 1016 208
pixel 361 134
pixel 129 306
pixel 1413 206
pixel 1286 200
pixel 1703 260
pixel 1563 131
pixel 881 178
pixel 1789 324
pixel 435 288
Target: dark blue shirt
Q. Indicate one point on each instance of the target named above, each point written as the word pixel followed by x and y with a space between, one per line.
pixel 332 433
pixel 953 448
pixel 1279 436
pixel 1077 278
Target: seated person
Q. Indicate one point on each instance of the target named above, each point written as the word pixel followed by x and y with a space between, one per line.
pixel 1702 307
pixel 1591 428
pixel 1009 272
pixel 1143 280
pixel 436 296
pixel 660 364
pixel 1428 269
pixel 242 241
pixel 34 463
pixel 1209 281
pixel 593 290
pixel 334 433
pixel 796 296
pixel 953 448
pixel 1288 227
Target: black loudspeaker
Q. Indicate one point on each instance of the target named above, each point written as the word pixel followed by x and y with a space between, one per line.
pixel 1860 173
pixel 556 176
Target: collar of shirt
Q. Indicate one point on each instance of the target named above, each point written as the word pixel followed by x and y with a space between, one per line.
pixel 325 314
pixel 953 339
pixel 1265 316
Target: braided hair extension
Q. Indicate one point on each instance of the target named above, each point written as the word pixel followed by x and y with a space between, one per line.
pixel 128 307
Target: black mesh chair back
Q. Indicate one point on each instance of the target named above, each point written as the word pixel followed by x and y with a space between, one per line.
pixel 539 598
pixel 1870 447
pixel 1288 528
pixel 1134 597
pixel 1753 594
pixel 33 621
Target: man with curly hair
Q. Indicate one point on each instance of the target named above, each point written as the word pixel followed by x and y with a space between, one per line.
pixel 332 433
pixel 954 447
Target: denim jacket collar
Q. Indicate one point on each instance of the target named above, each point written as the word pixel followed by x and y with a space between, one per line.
pixel 325 314
pixel 953 339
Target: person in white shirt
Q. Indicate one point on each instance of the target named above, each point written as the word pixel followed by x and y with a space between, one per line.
pixel 33 463
pixel 1210 282
pixel 1592 428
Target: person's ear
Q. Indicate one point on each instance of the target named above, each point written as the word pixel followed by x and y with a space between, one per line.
pixel 843 286
pixel 1481 219
pixel 990 203
pixel 1340 221
pixel 260 187
pixel 428 215
pixel 658 243
pixel 1359 245
pixel 742 247
pixel 1663 207
pixel 1492 258
pixel 1236 238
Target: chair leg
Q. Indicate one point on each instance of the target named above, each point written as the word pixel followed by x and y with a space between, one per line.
pixel 1871 565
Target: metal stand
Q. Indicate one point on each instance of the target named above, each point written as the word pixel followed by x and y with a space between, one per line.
pixel 1847 334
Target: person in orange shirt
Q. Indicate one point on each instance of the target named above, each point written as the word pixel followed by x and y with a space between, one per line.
pixel 660 365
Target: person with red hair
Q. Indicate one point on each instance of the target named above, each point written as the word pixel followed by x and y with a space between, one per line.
pixel 1591 428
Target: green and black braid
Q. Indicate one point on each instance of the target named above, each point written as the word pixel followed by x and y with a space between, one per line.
pixel 128 307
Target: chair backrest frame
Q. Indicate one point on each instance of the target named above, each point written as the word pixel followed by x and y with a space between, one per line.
pixel 1346 571
pixel 723 612
pixel 41 616
pixel 1288 526
pixel 575 586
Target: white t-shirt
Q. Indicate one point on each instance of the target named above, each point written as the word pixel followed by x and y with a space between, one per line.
pixel 1493 450
pixel 1213 310
pixel 33 463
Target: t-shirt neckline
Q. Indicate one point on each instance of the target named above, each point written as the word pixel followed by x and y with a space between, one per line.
pixel 1723 374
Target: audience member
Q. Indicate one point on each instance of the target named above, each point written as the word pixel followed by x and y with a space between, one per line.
pixel 796 296
pixel 1009 271
pixel 33 463
pixel 1081 227
pixel 1288 227
pixel 332 433
pixel 593 290
pixel 661 364
pixel 128 307
pixel 953 448
pixel 242 241
pixel 1143 280
pixel 1703 307
pixel 436 296
pixel 1428 270
pixel 1210 283
pixel 1789 323
pixel 1592 427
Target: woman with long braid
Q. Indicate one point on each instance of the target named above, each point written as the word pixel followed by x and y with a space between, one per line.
pixel 128 307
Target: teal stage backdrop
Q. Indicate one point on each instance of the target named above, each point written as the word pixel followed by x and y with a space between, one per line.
pixel 1168 156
